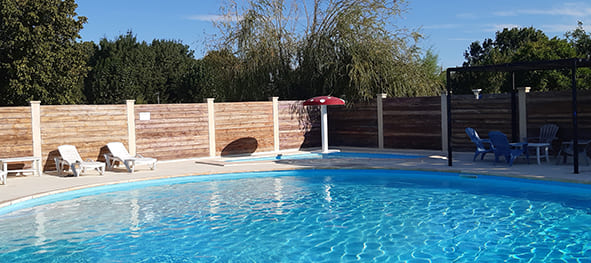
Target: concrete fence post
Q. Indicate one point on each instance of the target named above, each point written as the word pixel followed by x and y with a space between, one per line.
pixel 275 101
pixel 211 124
pixel 444 142
pixel 36 128
pixel 380 108
pixel 521 94
pixel 130 105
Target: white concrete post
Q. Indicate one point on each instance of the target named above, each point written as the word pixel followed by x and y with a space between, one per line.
pixel 521 94
pixel 380 106
pixel 211 124
pixel 36 127
pixel 444 142
pixel 275 101
pixel 130 104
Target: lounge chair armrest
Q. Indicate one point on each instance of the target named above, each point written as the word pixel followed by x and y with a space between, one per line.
pixel 139 156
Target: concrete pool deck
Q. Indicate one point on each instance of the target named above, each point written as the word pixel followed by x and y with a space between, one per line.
pixel 21 188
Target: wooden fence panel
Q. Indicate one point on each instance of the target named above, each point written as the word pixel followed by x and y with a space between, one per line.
pixel 244 127
pixel 88 127
pixel 299 126
pixel 174 131
pixel 490 112
pixel 556 108
pixel 15 132
pixel 353 126
pixel 412 123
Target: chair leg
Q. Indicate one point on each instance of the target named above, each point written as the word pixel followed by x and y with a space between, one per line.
pixel 74 171
pixel 547 157
pixel 129 165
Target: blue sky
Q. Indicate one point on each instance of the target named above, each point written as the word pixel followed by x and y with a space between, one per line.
pixel 448 26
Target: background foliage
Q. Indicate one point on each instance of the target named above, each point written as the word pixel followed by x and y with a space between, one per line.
pixel 520 45
pixel 39 56
pixel 286 48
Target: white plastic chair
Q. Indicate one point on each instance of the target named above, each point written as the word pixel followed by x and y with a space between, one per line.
pixel 121 155
pixel 70 157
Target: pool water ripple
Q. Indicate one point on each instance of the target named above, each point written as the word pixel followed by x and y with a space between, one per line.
pixel 316 216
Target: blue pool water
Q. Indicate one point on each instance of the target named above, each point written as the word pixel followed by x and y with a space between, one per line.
pixel 306 216
pixel 332 155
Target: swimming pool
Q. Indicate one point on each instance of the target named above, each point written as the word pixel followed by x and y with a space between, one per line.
pixel 305 216
pixel 332 155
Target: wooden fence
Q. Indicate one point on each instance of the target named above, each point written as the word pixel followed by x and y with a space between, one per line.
pixel 15 132
pixel 299 126
pixel 490 112
pixel 180 131
pixel 243 128
pixel 88 127
pixel 172 131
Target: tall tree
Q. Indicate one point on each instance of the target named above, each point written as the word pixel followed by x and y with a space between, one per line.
pixel 216 76
pixel 121 71
pixel 264 39
pixel 39 56
pixel 353 48
pixel 348 47
pixel 515 45
pixel 581 40
pixel 148 73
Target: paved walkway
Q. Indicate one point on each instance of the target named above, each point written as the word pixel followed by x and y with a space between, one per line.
pixel 20 188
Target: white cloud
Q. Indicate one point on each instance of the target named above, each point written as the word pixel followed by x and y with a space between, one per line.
pixel 558 28
pixel 500 27
pixel 442 26
pixel 214 18
pixel 467 16
pixel 566 9
pixel 506 13
pixel 461 39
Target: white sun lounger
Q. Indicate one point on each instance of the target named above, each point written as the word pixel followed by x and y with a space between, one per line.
pixel 3 176
pixel 70 157
pixel 121 155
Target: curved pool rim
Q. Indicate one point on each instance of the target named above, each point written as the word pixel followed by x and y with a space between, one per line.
pixel 95 189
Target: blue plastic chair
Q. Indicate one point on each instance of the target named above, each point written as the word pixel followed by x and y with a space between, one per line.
pixel 480 147
pixel 502 147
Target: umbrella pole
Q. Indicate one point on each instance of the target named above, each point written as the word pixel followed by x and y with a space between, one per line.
pixel 324 128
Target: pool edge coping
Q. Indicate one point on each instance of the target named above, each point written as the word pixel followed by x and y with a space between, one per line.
pixel 460 172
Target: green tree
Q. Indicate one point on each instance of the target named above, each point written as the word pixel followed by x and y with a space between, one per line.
pixel 173 62
pixel 581 40
pixel 347 48
pixel 127 69
pixel 39 56
pixel 264 41
pixel 121 69
pixel 515 45
pixel 215 76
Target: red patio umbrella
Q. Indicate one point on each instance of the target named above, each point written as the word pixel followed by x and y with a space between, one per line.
pixel 323 101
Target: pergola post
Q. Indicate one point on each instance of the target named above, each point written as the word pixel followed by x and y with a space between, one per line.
pixel 449 129
pixel 514 131
pixel 575 121
pixel 522 94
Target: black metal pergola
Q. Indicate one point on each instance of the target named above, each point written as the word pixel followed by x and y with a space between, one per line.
pixel 571 63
